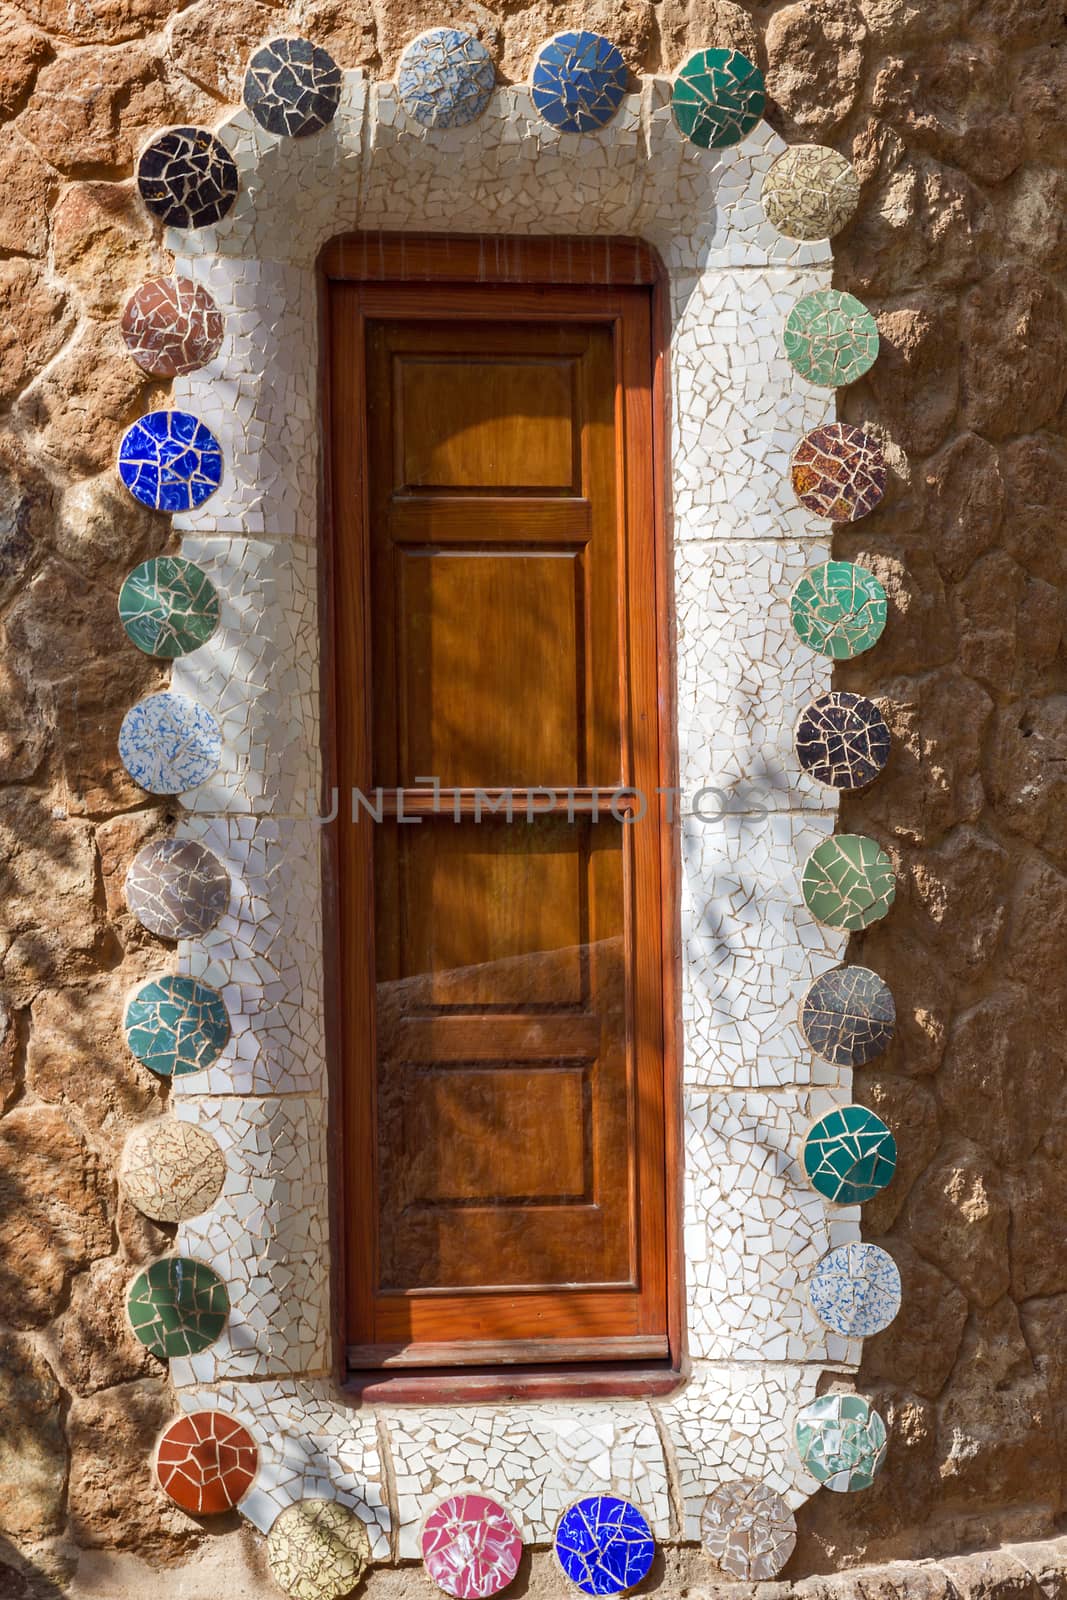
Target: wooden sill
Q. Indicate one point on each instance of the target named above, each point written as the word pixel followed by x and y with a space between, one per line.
pixel 444 1386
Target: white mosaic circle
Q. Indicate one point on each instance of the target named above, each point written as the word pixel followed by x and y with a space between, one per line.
pixel 748 1530
pixel 855 1290
pixel 317 1550
pixel 169 744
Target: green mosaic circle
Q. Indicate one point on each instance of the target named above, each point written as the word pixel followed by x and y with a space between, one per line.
pixel 718 97
pixel 831 338
pixel 842 1441
pixel 849 882
pixel 176 1025
pixel 177 1307
pixel 849 1155
pixel 169 606
pixel 838 609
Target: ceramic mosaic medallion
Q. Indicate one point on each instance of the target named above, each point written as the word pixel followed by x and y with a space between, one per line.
pixel 169 461
pixel 838 472
pixel 169 744
pixel 848 1016
pixel 177 1307
pixel 445 78
pixel 471 1546
pixel 841 1441
pixel 718 97
pixel 292 88
pixel 748 1530
pixel 578 81
pixel 849 882
pixel 831 338
pixel 176 1025
pixel 838 609
pixel 187 178
pixel 855 1290
pixel 810 192
pixel 849 1155
pixel 842 740
pixel 604 1545
pixel 169 606
pixel 206 1462
pixel 172 1170
pixel 172 326
pixel 177 888
pixel 317 1550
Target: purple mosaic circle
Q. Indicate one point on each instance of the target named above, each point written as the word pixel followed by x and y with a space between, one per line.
pixel 177 888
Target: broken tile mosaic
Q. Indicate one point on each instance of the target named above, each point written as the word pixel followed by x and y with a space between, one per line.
pixel 169 606
pixel 748 1530
pixel 176 1025
pixel 177 1306
pixel 470 1546
pixel 718 97
pixel 855 1290
pixel 177 888
pixel 445 78
pixel 317 1550
pixel 838 471
pixel 842 1441
pixel 169 461
pixel 578 81
pixel 604 1545
pixel 206 1462
pixel 172 326
pixel 839 609
pixel 172 1170
pixel 187 178
pixel 292 88
pixel 811 192
pixel 842 740
pixel 168 743
pixel 849 1155
pixel 848 882
pixel 831 338
pixel 848 1016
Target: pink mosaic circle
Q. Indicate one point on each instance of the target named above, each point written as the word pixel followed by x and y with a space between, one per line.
pixel 471 1546
pixel 172 326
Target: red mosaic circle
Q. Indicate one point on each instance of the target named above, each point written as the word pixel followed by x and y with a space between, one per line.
pixel 172 326
pixel 471 1546
pixel 839 472
pixel 206 1462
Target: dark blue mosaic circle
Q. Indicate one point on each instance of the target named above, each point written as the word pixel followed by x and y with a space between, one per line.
pixel 445 78
pixel 176 1025
pixel 604 1545
pixel 170 461
pixel 187 178
pixel 292 88
pixel 578 81
pixel 842 740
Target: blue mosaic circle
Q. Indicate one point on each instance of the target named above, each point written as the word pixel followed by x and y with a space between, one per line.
pixel 445 78
pixel 170 461
pixel 855 1290
pixel 176 1025
pixel 578 81
pixel 169 744
pixel 604 1545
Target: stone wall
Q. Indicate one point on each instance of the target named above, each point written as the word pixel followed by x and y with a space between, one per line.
pixel 952 111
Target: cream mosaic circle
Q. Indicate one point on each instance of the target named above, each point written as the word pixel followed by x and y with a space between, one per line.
pixel 811 192
pixel 172 1170
pixel 748 1530
pixel 317 1550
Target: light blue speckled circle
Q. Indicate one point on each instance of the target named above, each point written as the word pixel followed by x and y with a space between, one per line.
pixel 169 744
pixel 445 78
pixel 855 1290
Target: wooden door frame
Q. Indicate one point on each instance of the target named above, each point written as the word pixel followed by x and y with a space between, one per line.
pixel 441 261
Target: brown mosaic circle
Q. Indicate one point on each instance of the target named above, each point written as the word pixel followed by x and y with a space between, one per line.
pixel 838 471
pixel 172 326
pixel 811 192
pixel 177 888
pixel 172 1170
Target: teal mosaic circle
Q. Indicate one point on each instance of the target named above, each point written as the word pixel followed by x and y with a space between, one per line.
pixel 848 882
pixel 839 609
pixel 177 1307
pixel 849 1155
pixel 169 606
pixel 176 1025
pixel 842 1441
pixel 718 97
pixel 831 338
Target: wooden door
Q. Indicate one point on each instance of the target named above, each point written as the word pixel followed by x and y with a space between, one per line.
pixel 497 688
